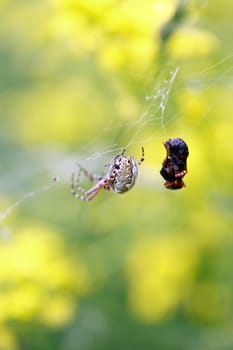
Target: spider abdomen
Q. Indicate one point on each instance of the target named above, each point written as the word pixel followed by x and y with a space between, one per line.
pixel 124 172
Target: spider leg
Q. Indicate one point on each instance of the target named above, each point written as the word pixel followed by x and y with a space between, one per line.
pixel 86 195
pixel 142 157
pixel 123 152
pixel 77 195
pixel 75 185
pixel 92 176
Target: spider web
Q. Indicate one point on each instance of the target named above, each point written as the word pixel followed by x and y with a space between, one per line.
pixel 61 165
pixel 154 112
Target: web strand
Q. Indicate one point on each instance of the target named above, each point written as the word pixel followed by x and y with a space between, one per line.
pixel 28 195
pixel 157 103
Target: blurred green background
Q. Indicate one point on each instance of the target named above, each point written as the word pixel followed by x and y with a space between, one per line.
pixel 150 269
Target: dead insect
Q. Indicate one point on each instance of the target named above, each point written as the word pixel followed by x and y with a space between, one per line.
pixel 174 166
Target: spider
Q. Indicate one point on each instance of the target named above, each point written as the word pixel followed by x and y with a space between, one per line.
pixel 120 178
pixel 174 166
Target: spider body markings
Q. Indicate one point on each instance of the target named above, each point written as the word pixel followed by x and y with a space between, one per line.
pixel 120 178
pixel 174 166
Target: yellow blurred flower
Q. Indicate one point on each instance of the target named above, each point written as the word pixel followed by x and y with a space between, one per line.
pixel 58 311
pixel 121 33
pixel 188 42
pixel 193 104
pixel 160 273
pixel 34 273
